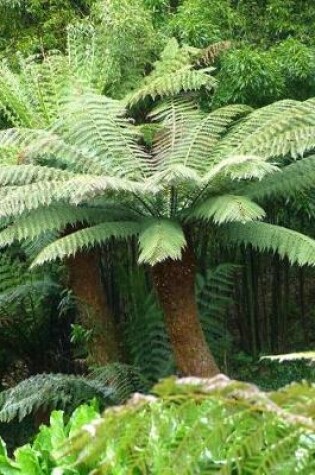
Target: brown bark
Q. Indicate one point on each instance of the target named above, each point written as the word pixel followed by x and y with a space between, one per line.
pixel 86 285
pixel 175 286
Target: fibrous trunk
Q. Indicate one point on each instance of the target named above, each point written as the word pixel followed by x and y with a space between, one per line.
pixel 175 286
pixel 86 285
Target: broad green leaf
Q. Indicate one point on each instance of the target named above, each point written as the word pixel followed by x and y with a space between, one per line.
pixel 82 415
pixel 28 460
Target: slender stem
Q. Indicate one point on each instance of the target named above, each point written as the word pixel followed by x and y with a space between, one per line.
pixel 152 211
pixel 173 204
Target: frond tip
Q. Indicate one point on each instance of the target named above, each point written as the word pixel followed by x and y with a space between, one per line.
pixel 228 208
pixel 85 239
pixel 160 240
pixel 297 247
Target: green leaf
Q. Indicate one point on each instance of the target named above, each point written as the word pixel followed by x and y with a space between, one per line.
pixel 82 415
pixel 297 247
pixel 159 240
pixel 28 460
pixel 85 239
pixel 228 208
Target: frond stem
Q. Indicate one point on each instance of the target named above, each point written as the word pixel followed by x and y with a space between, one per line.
pixel 152 211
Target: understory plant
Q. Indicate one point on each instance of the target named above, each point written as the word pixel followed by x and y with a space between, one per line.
pixel 192 425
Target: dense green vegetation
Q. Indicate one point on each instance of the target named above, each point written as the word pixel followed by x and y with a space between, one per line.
pixel 251 432
pixel 157 175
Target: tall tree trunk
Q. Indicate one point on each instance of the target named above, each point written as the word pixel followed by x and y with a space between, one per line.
pixel 174 282
pixel 86 285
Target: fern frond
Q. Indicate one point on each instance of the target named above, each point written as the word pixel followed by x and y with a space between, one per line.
pixel 172 84
pixel 214 292
pixel 173 73
pixel 43 220
pixel 97 124
pixel 227 208
pixel 85 239
pixel 297 247
pixel 208 55
pixel 16 106
pixel 48 391
pixel 174 175
pixel 74 191
pixel 32 95
pixel 295 177
pixel 238 167
pixel 159 240
pixel 86 57
pixel 123 380
pixel 188 136
pixel 282 128
pixel 15 175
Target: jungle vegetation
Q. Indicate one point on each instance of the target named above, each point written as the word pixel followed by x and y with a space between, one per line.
pixel 157 174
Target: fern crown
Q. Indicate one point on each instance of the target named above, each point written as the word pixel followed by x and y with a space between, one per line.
pixel 89 164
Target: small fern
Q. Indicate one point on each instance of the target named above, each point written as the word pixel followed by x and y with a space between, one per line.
pixel 109 385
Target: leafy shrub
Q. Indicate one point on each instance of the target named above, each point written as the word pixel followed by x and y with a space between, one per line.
pixel 36 458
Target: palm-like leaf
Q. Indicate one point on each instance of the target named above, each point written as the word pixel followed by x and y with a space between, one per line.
pixel 86 238
pixel 90 154
pixel 172 74
pixel 298 248
pixel 160 240
pixel 227 208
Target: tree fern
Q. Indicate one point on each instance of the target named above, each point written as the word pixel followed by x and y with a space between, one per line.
pixel 195 171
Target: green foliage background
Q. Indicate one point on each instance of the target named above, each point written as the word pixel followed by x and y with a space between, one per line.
pixel 271 57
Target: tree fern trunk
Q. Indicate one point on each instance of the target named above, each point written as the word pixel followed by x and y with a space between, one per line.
pixel 85 282
pixel 175 286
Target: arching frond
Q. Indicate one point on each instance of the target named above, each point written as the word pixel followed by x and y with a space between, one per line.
pixel 52 218
pixel 96 124
pixel 237 167
pixel 77 190
pixel 227 208
pixel 32 95
pixel 159 240
pixel 188 136
pixel 174 175
pixel 284 127
pixel 173 73
pixel 85 239
pixel 184 80
pixel 298 176
pixel 21 175
pixel 86 57
pixel 298 248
